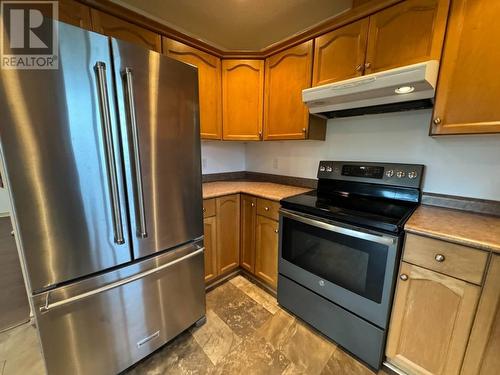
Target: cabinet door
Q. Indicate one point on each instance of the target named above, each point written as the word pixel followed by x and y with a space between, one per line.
pixel 431 321
pixel 482 357
pixel 75 14
pixel 468 90
pixel 266 254
pixel 209 84
pixel 210 232
pixel 407 33
pixel 242 99
pixel 340 54
pixel 287 74
pixel 228 233
pixel 117 28
pixel 248 222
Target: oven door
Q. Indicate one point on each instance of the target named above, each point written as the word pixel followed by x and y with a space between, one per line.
pixel 351 267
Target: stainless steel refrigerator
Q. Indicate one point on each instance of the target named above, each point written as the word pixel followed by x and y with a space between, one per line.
pixel 102 158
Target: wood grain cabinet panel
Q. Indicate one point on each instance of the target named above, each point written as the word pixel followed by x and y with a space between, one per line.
pixel 468 91
pixel 431 320
pixel 210 241
pixel 248 226
pixel 287 74
pixel 242 99
pixel 340 54
pixel 117 28
pixel 407 33
pixel 228 232
pixel 209 84
pixel 266 253
pixel 483 352
pixel 75 13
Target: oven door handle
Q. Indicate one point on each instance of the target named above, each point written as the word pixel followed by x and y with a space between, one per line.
pixel 381 239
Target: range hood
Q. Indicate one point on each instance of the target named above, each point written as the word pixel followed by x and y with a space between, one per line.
pixel 405 88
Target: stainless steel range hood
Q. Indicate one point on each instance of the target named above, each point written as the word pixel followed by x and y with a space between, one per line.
pixel 405 88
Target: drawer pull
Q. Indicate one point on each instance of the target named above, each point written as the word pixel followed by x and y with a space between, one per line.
pixel 439 258
pixel 266 208
pixel 403 277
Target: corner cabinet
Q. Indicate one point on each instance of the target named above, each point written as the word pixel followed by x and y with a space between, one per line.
pixel 117 28
pixel 468 90
pixel 242 99
pixel 285 115
pixel 483 352
pixel 209 84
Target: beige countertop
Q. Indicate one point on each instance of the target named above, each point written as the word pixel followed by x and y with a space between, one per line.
pixel 265 190
pixel 465 228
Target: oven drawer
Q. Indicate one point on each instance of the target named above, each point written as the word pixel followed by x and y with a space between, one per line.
pixel 208 207
pixel 103 325
pixel 450 259
pixel 268 208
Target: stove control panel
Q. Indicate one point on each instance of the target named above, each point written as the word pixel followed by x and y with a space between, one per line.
pixel 406 175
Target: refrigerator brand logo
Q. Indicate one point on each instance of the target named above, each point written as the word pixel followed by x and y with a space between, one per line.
pixel 29 35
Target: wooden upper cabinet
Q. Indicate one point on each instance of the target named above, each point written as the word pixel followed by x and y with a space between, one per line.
pixel 117 28
pixel 248 217
pixel 287 74
pixel 340 54
pixel 242 99
pixel 468 91
pixel 406 33
pixel 431 320
pixel 209 84
pixel 228 233
pixel 482 356
pixel 75 13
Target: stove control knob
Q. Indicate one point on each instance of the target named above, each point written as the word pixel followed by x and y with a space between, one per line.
pixel 389 173
pixel 329 169
pixel 400 174
pixel 412 174
pixel 322 168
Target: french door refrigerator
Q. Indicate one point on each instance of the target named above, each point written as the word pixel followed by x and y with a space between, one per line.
pixel 102 158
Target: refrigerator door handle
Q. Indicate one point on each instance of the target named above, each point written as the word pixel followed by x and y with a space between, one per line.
pixel 49 306
pixel 100 69
pixel 130 103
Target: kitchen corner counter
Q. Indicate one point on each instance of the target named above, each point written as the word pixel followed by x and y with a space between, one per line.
pixel 464 228
pixel 266 190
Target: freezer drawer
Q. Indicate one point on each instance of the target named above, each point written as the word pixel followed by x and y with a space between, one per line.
pixel 106 324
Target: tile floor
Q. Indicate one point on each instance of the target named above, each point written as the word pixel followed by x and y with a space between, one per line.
pixel 246 333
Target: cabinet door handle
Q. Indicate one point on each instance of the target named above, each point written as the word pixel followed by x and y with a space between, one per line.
pixel 368 65
pixel 359 68
pixel 437 121
pixel 276 231
pixel 439 258
pixel 253 204
pixel 204 210
pixel 266 208
pixel 403 277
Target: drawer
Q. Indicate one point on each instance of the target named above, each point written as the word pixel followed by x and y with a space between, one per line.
pixel 268 208
pixel 208 207
pixel 453 260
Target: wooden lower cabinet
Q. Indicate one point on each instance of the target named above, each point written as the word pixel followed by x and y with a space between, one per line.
pixel 266 250
pixel 228 232
pixel 431 321
pixel 483 352
pixel 210 230
pixel 248 222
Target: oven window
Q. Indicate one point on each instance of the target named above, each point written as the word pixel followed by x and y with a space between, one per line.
pixel 349 262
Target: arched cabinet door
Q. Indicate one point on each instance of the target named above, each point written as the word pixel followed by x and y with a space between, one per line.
pixel 242 99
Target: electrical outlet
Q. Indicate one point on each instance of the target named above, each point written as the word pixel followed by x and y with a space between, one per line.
pixel 275 163
pixel 204 163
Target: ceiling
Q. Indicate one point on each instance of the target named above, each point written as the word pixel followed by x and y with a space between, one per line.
pixel 239 24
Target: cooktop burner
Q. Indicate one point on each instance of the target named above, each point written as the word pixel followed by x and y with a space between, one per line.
pixel 373 195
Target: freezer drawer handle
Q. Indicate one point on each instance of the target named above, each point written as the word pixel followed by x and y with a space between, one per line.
pixel 100 69
pixel 130 101
pixel 49 306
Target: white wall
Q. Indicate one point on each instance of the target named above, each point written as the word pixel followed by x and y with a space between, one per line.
pixel 455 165
pixel 219 157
